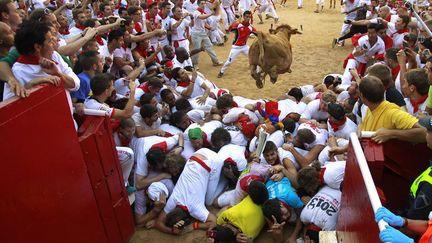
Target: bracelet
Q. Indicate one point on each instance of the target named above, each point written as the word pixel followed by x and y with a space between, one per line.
pixel 195 225
pixel 181 146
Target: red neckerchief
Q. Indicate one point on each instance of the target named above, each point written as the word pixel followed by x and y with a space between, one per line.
pixel 388 18
pixel 395 71
pixel 168 75
pixel 28 59
pixel 416 104
pixel 145 87
pixel 245 23
pixel 64 31
pixel 143 52
pixel 201 11
pixel 138 27
pixel 321 179
pixel 99 40
pixel 183 83
pixel 245 181
pixel 177 19
pixel 80 27
pixel 192 1
pixel 160 15
pixel 336 126
pixel 124 141
pixel 235 104
pixel 405 30
pixel 206 143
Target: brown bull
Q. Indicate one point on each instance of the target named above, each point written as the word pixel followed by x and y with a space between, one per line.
pixel 271 54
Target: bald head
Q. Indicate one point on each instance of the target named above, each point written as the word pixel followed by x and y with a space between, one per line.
pixel 384 12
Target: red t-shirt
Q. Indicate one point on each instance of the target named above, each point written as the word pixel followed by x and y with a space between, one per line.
pixel 241 33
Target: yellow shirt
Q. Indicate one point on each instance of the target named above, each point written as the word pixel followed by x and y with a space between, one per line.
pixel 246 216
pixel 387 115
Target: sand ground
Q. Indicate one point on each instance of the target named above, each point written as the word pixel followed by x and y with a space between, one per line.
pixel 313 59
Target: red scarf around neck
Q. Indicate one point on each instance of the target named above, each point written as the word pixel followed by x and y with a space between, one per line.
pixel 416 104
pixel 99 40
pixel 336 126
pixel 80 27
pixel 28 59
pixel 201 11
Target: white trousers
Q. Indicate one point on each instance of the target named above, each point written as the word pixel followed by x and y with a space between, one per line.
pixel 347 77
pixel 235 51
pixel 126 159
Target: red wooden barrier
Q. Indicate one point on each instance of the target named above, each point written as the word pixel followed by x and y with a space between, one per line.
pixel 394 166
pixel 104 170
pixel 356 221
pixel 48 194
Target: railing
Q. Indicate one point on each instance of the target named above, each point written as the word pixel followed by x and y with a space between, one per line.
pixel 391 168
pixel 47 194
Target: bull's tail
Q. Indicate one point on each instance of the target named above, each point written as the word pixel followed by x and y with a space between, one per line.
pixel 261 48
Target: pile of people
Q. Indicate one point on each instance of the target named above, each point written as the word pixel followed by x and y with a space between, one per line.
pixel 184 144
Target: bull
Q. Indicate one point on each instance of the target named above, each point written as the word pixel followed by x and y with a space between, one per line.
pixel 271 54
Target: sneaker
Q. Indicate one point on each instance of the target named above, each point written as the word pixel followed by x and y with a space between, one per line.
pixel 276 20
pixel 316 11
pixel 299 7
pixel 260 22
pixel 217 64
pixel 220 74
pixel 225 38
pixel 334 42
pixel 348 21
pixel 267 16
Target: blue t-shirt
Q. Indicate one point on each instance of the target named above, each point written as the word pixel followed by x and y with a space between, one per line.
pixel 84 91
pixel 283 191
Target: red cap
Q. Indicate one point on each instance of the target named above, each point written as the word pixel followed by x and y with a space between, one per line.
pixel 150 3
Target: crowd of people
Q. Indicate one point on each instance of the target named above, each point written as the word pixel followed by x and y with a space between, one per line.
pixel 184 144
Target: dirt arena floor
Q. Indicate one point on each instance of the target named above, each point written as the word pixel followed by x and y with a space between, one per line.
pixel 313 59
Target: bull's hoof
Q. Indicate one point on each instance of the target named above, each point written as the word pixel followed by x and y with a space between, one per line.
pixel 259 84
pixel 273 80
pixel 289 70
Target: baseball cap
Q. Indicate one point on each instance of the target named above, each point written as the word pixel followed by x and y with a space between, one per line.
pixel 336 111
pixel 195 133
pixel 151 3
pixel 426 122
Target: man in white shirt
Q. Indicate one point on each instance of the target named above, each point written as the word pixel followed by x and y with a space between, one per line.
pixel 199 34
pixel 102 87
pixel 180 29
pixel 370 47
pixel 38 62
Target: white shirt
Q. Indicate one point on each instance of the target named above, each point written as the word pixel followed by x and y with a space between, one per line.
pixel 74 31
pixel 179 33
pixel 344 131
pixel 197 90
pixel 234 113
pixel 139 122
pixel 334 174
pixel 141 146
pixel 93 104
pixel 312 111
pixel 282 154
pixel 24 73
pixel 235 152
pixel 186 63
pixel 410 107
pixel 377 48
pixel 207 128
pixel 237 137
pixel 191 187
pixel 189 6
pixel 321 135
pixel 288 106
pixel 199 24
pixel 322 210
pixel 104 53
